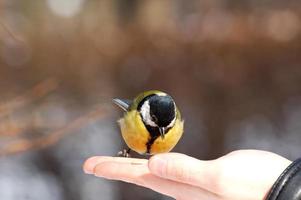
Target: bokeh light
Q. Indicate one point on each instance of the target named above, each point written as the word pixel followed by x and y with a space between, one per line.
pixel 65 8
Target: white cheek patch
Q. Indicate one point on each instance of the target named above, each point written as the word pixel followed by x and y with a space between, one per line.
pixel 171 123
pixel 145 112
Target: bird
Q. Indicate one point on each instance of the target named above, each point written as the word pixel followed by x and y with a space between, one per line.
pixel 151 123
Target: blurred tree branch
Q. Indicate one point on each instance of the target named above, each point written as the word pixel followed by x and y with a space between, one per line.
pixel 22 145
pixel 38 91
pixel 10 32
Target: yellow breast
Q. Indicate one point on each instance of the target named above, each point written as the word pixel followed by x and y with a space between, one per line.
pixel 136 135
pixel 170 140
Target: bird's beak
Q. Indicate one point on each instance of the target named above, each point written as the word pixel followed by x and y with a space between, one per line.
pixel 162 132
pixel 123 103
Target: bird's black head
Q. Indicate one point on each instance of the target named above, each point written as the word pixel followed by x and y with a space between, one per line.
pixel 158 111
pixel 162 110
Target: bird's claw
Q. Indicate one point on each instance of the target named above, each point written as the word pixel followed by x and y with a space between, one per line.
pixel 124 153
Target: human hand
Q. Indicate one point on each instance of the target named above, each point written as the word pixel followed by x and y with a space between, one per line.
pixel 239 175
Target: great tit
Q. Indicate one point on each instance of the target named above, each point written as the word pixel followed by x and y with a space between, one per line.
pixel 151 123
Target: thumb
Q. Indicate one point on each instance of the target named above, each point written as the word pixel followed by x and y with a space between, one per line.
pixel 184 169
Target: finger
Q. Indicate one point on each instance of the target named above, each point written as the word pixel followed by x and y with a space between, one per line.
pixel 185 169
pixel 138 173
pixel 90 163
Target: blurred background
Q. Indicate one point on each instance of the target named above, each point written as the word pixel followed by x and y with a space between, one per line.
pixel 233 68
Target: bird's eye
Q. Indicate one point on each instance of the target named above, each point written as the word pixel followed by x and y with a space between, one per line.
pixel 155 119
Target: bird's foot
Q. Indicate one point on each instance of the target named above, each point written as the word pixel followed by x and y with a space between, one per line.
pixel 124 153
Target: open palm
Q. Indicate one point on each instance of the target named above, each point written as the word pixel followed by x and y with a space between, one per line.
pixel 239 175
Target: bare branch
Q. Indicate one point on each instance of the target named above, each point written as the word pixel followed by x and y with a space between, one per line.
pixel 38 91
pixel 23 145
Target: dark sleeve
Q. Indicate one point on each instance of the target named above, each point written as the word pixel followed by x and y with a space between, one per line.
pixel 288 185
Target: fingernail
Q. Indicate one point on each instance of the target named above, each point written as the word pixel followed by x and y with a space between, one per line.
pixel 90 164
pixel 156 165
pixel 97 171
